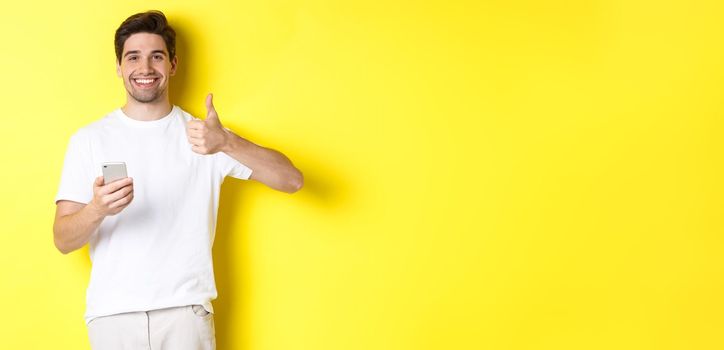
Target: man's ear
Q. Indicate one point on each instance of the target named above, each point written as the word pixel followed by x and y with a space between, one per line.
pixel 174 63
pixel 118 68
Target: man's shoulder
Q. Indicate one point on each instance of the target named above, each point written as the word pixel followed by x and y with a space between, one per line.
pixel 96 126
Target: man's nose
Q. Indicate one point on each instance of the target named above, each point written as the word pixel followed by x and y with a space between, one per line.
pixel 146 65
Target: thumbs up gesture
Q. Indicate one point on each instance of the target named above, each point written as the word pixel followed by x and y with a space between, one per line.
pixel 207 136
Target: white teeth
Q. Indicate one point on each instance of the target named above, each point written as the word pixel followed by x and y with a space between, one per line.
pixel 144 81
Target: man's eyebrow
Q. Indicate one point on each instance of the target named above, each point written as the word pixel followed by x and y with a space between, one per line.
pixel 138 51
pixel 131 52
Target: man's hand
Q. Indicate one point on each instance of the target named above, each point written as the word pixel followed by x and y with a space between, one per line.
pixel 207 136
pixel 269 166
pixel 112 198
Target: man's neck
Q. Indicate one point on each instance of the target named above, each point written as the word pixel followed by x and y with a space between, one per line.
pixel 147 111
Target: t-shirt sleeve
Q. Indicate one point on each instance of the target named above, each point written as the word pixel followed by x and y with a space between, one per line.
pixel 232 167
pixel 76 179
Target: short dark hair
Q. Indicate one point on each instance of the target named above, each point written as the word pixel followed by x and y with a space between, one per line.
pixel 153 22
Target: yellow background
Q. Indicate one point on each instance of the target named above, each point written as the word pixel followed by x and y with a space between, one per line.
pixel 479 174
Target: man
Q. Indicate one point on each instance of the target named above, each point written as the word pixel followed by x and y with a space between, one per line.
pixel 151 234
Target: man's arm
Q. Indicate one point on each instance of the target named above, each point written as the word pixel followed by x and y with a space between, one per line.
pixel 268 166
pixel 76 222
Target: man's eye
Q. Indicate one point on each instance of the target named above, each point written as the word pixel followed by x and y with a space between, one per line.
pixel 132 58
pixel 158 57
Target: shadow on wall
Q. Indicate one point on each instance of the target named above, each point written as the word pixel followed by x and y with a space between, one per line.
pixel 185 56
pixel 232 258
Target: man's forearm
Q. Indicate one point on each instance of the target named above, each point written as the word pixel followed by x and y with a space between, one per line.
pixel 268 166
pixel 73 231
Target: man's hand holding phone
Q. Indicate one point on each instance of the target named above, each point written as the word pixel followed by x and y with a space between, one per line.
pixel 112 198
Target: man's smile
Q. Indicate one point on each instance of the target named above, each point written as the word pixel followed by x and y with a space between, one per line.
pixel 145 83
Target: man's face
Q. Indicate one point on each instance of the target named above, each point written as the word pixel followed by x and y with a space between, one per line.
pixel 146 67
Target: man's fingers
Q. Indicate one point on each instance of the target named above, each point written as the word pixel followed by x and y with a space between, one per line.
pixel 195 140
pixel 122 202
pixel 123 192
pixel 199 149
pixel 195 133
pixel 115 185
pixel 114 196
pixel 195 125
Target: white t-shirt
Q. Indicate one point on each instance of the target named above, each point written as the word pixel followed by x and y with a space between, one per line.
pixel 156 253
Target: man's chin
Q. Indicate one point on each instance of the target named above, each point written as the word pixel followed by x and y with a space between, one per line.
pixel 145 98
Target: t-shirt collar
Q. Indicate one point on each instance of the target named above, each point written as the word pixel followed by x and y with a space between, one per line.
pixel 146 124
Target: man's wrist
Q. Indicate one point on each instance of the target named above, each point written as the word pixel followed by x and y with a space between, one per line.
pixel 228 144
pixel 95 212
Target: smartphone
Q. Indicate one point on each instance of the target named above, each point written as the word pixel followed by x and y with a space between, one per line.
pixel 113 171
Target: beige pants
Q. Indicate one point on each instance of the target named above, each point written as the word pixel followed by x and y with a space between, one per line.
pixel 188 327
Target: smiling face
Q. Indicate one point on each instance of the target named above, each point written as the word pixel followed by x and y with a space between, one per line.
pixel 146 68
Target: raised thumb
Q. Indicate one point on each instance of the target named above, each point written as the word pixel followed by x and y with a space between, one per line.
pixel 210 110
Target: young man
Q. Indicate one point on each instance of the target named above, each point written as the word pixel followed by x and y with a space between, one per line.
pixel 151 234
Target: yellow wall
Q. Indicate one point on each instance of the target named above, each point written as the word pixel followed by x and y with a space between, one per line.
pixel 479 174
